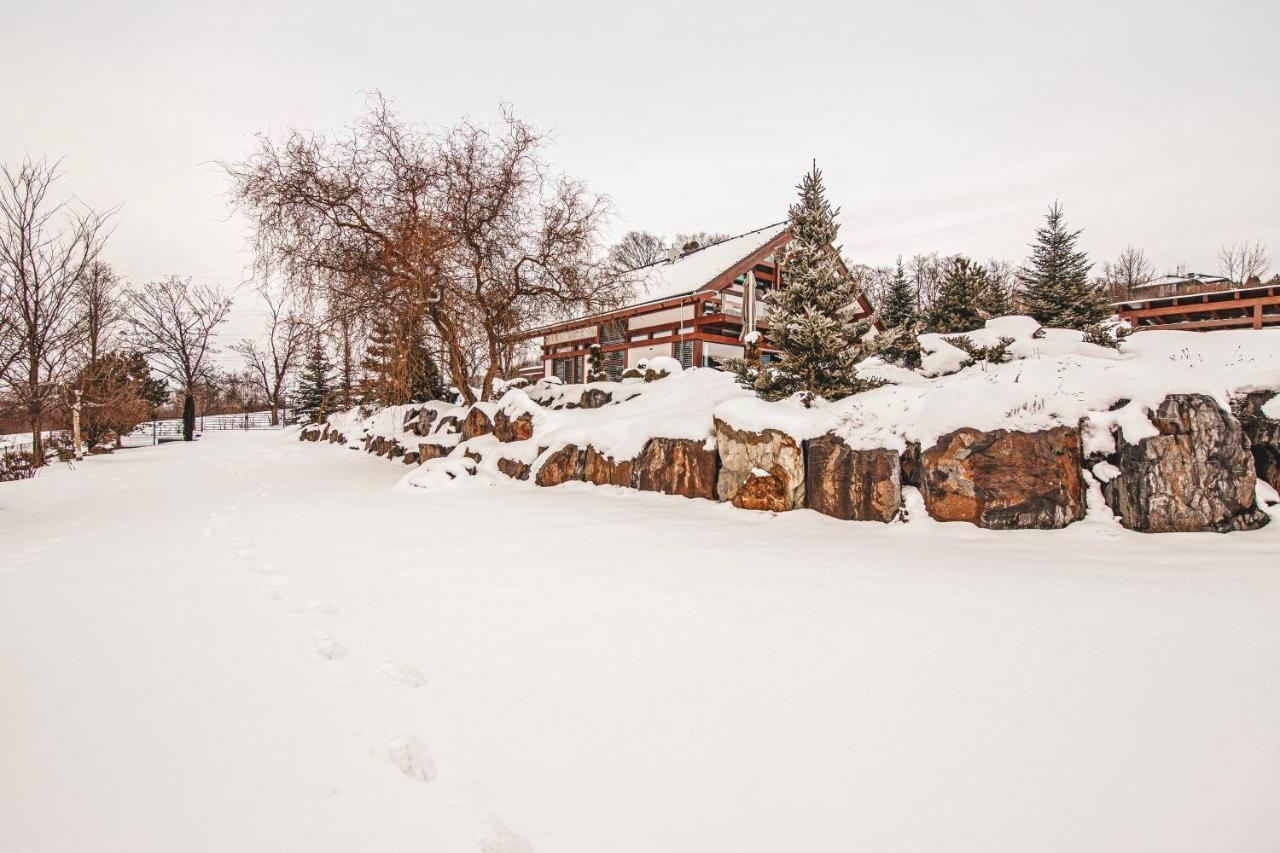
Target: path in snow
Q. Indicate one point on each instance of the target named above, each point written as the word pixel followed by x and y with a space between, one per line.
pixel 253 643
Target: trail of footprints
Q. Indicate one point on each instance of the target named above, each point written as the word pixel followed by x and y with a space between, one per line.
pixel 404 750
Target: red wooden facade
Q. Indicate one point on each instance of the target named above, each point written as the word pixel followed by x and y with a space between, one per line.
pixel 1206 307
pixel 697 327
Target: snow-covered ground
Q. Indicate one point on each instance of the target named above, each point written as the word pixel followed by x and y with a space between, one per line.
pixel 255 644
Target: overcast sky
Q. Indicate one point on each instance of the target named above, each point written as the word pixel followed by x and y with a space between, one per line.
pixel 939 125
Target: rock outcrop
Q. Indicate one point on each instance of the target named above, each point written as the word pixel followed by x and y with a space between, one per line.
pixel 1004 479
pixel 561 466
pixel 676 466
pixel 428 451
pixel 1196 475
pixel 594 398
pixel 770 462
pixel 508 429
pixel 856 485
pixel 605 470
pixel 476 423
pixel 1263 434
pixel 514 468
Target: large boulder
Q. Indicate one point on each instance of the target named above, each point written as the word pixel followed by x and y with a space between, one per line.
pixel 594 398
pixel 1263 434
pixel 1004 479
pixel 604 470
pixel 428 451
pixel 1196 475
pixel 476 423
pixel 770 461
pixel 561 466
pixel 447 424
pixel 508 429
pixel 676 466
pixel 856 485
pixel 514 468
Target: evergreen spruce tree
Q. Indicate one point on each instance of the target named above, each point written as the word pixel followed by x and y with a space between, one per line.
pixel 956 307
pixel 809 313
pixel 993 298
pixel 898 308
pixel 154 391
pixel 422 375
pixel 314 396
pixel 595 364
pixel 1055 281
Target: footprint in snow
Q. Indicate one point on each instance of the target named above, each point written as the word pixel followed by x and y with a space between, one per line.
pixel 273 588
pixel 411 758
pixel 320 605
pixel 326 646
pixel 499 839
pixel 406 674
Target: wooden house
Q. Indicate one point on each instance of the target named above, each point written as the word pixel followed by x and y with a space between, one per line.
pixel 697 306
pixel 1200 303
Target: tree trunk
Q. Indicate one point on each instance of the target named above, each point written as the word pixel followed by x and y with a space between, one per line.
pixel 275 413
pixel 188 418
pixel 37 439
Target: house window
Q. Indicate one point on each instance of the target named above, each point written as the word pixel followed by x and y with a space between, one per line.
pixel 567 370
pixel 682 351
pixel 613 332
pixel 615 362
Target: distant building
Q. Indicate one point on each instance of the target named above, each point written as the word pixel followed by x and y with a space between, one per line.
pixel 697 305
pixel 1195 301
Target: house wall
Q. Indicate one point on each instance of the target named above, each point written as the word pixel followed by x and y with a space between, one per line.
pixel 635 354
pixel 658 318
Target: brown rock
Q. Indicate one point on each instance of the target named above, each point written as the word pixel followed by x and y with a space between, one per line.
pixel 764 491
pixel 447 424
pixel 1263 434
pixel 477 423
pixel 410 458
pixel 676 466
pixel 514 469
pixel 856 485
pixel 508 429
pixel 742 453
pixel 594 398
pixel 561 467
pixel 1005 480
pixel 427 451
pixel 1196 475
pixel 605 470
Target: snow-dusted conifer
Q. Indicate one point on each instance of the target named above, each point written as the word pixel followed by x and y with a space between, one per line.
pixel 810 322
pixel 315 392
pixel 1055 281
pixel 899 305
pixel 956 307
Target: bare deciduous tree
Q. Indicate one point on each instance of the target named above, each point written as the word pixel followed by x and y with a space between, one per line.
pixel 1130 269
pixel 47 248
pixel 173 322
pixel 466 230
pixel 636 249
pixel 272 359
pixel 1244 259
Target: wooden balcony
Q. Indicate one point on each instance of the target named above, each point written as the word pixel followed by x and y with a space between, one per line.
pixel 1205 307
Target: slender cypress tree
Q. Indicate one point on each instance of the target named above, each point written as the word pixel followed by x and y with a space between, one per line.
pixel 899 305
pixel 809 319
pixel 1055 281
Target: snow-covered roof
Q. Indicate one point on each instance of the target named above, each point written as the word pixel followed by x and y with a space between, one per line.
pixel 690 272
pixel 1174 280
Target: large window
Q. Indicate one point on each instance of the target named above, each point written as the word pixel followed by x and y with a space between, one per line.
pixel 683 353
pixel 568 370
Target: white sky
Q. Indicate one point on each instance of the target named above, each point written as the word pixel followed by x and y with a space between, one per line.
pixel 939 125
